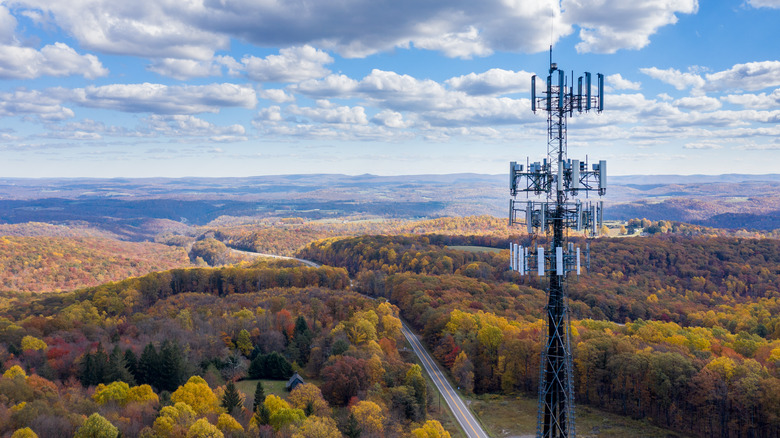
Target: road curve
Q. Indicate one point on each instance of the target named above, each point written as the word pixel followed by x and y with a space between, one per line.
pixel 467 421
pixel 308 263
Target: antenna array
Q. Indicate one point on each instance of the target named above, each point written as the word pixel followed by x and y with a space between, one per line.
pixel 555 180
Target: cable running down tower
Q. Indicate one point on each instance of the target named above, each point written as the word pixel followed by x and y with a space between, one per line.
pixel 555 183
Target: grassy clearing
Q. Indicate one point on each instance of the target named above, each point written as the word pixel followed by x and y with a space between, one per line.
pixel 474 248
pixel 275 387
pixel 504 416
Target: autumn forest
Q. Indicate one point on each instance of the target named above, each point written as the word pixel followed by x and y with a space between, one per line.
pixel 192 334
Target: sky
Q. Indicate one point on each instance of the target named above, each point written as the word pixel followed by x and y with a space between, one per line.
pixel 174 88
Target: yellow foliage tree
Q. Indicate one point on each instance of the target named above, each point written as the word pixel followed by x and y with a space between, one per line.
pixel 14 371
pixel 227 424
pixel 122 394
pixel 24 433
pixel 369 416
pixel 174 420
pixel 33 343
pixel 309 398
pixel 244 343
pixel 275 403
pixel 198 395
pixel 203 429
pixel 285 417
pixel 723 365
pixel 97 427
pixel 113 392
pixel 318 427
pixel 431 429
pixel 142 394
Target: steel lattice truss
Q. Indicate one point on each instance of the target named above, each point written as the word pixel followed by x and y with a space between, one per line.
pixel 555 180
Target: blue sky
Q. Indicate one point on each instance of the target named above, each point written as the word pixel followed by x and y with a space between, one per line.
pixel 100 88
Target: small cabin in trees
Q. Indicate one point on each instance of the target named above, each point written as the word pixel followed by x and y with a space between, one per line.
pixel 294 381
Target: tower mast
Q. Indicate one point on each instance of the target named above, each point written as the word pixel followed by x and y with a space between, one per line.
pixel 555 180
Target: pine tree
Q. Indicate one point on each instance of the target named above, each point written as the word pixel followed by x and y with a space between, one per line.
pixel 117 368
pixel 131 360
pixel 262 415
pixel 302 338
pixel 86 370
pixel 231 400
pixel 172 366
pixel 259 395
pixel 352 429
pixel 148 366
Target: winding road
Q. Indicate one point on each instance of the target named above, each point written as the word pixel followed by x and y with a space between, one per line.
pixel 467 421
pixel 308 263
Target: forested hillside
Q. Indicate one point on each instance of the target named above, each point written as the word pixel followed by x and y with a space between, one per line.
pixel 54 263
pixel 157 356
pixel 684 332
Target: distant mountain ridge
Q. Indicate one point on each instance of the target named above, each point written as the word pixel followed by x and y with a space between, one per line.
pixel 728 201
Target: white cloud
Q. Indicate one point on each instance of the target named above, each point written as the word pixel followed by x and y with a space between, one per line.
pixel 326 112
pixel 52 60
pixel 33 103
pixel 701 103
pixel 183 69
pixel 759 147
pixel 456 44
pixel 293 64
pixel 58 59
pixel 191 126
pixel 428 100
pixel 391 119
pixel 162 99
pixel 146 28
pixel 277 95
pixel 611 25
pixel 772 4
pixel 702 145
pixel 7 25
pixel 751 76
pixel 196 29
pixel 675 77
pixel 617 82
pixel 331 85
pixel 270 114
pixel 493 81
pixel 755 101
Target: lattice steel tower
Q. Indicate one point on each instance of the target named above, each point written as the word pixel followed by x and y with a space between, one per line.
pixel 556 182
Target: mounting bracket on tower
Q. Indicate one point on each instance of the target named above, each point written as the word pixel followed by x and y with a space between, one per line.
pixel 557 176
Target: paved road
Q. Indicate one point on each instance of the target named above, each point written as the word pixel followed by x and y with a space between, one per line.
pixel 467 421
pixel 274 256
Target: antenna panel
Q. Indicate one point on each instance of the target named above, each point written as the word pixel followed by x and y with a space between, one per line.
pixel 587 91
pixel 601 92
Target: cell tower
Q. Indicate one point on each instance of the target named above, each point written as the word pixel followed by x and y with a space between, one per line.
pixel 556 182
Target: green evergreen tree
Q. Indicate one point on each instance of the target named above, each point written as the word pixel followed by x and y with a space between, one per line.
pixel 86 370
pixel 117 368
pixel 131 360
pixel 100 366
pixel 270 366
pixel 148 366
pixel 262 414
pixel 302 339
pixel 259 395
pixel 231 400
pixel 172 369
pixel 93 368
pixel 352 429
